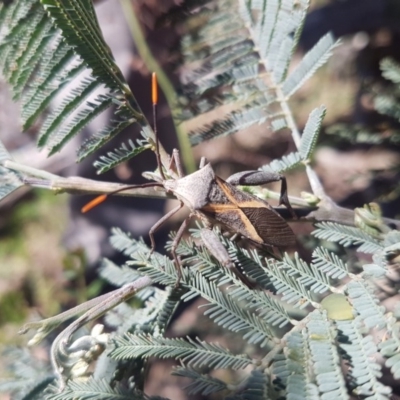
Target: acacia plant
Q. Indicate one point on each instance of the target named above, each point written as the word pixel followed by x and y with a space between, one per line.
pixel 311 330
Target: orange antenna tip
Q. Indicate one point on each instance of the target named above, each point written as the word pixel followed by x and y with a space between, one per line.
pixel 154 88
pixel 95 202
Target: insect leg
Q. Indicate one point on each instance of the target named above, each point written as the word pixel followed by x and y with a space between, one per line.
pixel 217 249
pixel 203 162
pixel 154 228
pixel 255 178
pixel 176 159
pixel 175 243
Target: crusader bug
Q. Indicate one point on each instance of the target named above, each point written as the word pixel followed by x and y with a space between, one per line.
pixel 214 200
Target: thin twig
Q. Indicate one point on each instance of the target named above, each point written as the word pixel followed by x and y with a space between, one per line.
pixel 325 210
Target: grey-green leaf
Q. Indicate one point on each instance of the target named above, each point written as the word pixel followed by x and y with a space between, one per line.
pixel 311 131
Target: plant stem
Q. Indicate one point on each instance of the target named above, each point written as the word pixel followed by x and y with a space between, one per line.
pixel 164 82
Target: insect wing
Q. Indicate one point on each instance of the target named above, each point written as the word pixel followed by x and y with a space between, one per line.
pixel 271 227
pixel 248 215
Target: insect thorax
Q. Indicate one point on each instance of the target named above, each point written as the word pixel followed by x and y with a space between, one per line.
pixel 193 189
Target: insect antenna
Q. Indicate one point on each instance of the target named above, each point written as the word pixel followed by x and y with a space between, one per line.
pixel 154 99
pixel 103 197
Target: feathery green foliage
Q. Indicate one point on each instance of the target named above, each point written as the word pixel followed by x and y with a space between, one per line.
pixel 359 350
pixel 201 383
pixel 283 164
pixel 347 236
pixel 325 355
pixel 319 336
pixel 389 348
pixel 299 380
pixel 310 134
pixel 59 47
pixel 365 303
pixel 98 389
pixel 329 263
pixel 193 353
pixel 124 153
pixel 244 49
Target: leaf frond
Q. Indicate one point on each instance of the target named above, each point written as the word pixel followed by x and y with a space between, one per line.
pixel 257 387
pixel 347 236
pixel 390 348
pixel 224 311
pixel 237 63
pixel 118 156
pixel 95 389
pixel 329 263
pixel 268 308
pixel 117 276
pixel 310 133
pixel 125 318
pixel 362 297
pixel 124 243
pixel 286 163
pixel 313 60
pixel 360 350
pixel 203 384
pixel 325 357
pixel 193 353
pixel 309 276
pixel 300 383
pixel 58 46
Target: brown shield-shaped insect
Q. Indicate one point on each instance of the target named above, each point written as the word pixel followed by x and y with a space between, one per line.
pixel 214 200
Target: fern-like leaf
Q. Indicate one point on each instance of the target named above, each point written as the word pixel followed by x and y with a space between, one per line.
pixel 193 353
pixel 202 384
pixel 360 350
pixel 225 312
pixel 77 20
pixel 347 236
pixel 125 318
pixel 237 63
pixel 31 375
pixel 300 380
pixel 313 60
pixel 124 153
pixel 309 276
pixel 268 308
pixel 58 45
pixel 273 277
pixel 311 131
pixel 116 275
pixel 387 105
pixel 329 263
pixel 169 306
pixel 325 357
pixel 287 285
pixel 159 269
pixel 95 389
pixel 283 164
pixel 123 242
pixel 362 297
pixel 390 348
pixel 257 388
